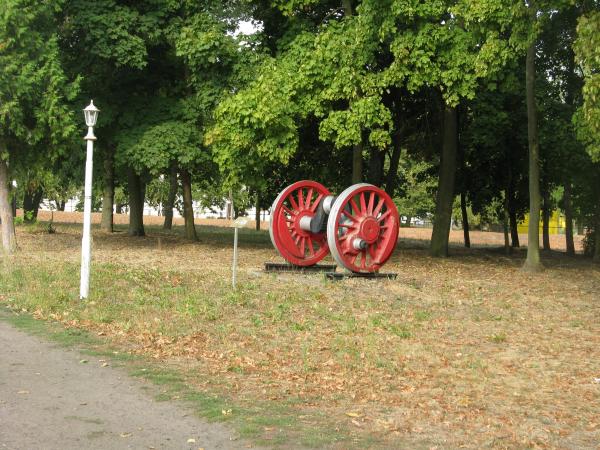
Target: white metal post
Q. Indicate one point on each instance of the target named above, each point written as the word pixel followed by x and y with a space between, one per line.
pixel 86 250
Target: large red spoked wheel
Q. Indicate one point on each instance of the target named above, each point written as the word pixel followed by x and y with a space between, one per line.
pixel 298 246
pixel 362 229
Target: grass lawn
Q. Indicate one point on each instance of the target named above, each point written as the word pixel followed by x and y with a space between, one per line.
pixel 467 351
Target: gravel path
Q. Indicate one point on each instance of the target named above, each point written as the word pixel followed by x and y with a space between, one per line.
pixel 50 400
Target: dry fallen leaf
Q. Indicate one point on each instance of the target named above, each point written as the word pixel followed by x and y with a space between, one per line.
pixel 352 414
pixel 124 435
pixel 23 392
pixel 191 440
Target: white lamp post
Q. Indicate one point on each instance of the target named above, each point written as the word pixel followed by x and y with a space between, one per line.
pixel 91 115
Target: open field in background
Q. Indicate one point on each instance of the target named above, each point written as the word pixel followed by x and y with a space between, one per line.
pixel 478 238
pixel 467 351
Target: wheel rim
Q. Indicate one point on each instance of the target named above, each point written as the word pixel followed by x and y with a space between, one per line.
pixel 295 245
pixel 362 229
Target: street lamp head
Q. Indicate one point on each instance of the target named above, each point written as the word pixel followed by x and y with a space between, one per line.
pixel 91 114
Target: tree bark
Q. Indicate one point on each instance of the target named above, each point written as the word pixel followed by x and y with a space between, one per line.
pixel 445 191
pixel 357 163
pixel 9 239
pixel 532 263
pixel 390 181
pixel 465 219
pixel 31 203
pixel 512 212
pixel 257 211
pixel 188 210
pixel 546 221
pixel 108 194
pixel 376 161
pixel 514 230
pixel 505 226
pixel 170 204
pixel 596 257
pixel 568 219
pixel 137 190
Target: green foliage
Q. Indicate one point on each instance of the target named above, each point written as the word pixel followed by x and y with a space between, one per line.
pixel 587 49
pixel 417 198
pixel 33 86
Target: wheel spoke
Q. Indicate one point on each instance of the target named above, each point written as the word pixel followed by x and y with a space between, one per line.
pixel 347 225
pixel 293 202
pixel 384 215
pixel 302 245
pixel 363 204
pixel 308 198
pixel 350 216
pixel 301 198
pixel 373 250
pixel 311 249
pixel 289 211
pixel 355 209
pixel 378 207
pixel 371 203
pixel 316 203
pixel 363 259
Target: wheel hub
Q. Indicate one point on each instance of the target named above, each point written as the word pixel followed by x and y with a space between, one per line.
pixel 369 230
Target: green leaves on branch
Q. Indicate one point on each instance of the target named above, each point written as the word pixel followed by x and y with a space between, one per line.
pixel 587 50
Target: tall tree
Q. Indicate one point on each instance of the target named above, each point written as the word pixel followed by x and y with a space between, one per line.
pixel 33 92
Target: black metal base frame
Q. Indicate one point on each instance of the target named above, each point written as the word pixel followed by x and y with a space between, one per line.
pixel 277 267
pixel 369 275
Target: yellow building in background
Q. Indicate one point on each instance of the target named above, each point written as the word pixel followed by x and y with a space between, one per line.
pixel 556 225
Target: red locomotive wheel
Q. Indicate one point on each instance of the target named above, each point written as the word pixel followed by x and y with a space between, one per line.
pixel 294 244
pixel 362 229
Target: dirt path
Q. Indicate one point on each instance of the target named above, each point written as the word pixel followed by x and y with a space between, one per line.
pixel 50 399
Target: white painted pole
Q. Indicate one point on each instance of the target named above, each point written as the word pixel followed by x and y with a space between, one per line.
pixel 235 256
pixel 86 247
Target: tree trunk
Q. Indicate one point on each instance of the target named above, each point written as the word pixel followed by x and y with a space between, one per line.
pixel 445 191
pixel 108 194
pixel 465 219
pixel 512 213
pixel 61 205
pixel 376 161
pixel 546 221
pixel 9 239
pixel 170 204
pixel 514 231
pixel 357 163
pixel 257 212
pixel 31 203
pixel 188 210
pixel 390 181
pixel 532 263
pixel 13 202
pixel 505 223
pixel 119 208
pixel 137 192
pixel 596 257
pixel 568 219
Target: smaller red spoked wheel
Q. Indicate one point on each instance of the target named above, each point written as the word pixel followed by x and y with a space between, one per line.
pixel 362 229
pixel 295 245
